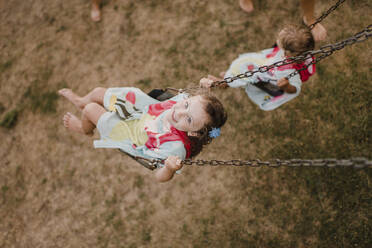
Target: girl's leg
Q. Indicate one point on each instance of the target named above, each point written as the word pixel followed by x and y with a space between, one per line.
pixel 95 95
pixel 91 114
pixel 319 32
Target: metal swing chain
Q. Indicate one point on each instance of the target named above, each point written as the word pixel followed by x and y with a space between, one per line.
pixel 356 163
pixel 329 162
pixel 325 14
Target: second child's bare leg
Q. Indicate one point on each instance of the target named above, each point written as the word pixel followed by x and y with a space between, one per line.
pixel 95 95
pixel 319 32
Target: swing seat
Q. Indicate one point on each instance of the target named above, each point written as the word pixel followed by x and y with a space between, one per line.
pixel 160 94
pixel 143 162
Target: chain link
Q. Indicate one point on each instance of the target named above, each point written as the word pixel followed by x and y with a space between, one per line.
pixel 356 163
pixel 325 14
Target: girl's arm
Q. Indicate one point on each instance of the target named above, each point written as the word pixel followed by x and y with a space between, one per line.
pixel 172 164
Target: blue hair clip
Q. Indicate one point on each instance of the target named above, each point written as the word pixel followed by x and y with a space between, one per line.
pixel 215 132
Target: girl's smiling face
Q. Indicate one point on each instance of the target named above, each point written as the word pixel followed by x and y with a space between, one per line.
pixel 188 115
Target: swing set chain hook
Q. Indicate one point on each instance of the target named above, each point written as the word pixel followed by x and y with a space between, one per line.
pixel 325 14
pixel 329 162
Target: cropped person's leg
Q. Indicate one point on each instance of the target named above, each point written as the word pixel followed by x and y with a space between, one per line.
pixel 95 13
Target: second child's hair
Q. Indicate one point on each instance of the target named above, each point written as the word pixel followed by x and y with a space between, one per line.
pixel 296 39
pixel 217 118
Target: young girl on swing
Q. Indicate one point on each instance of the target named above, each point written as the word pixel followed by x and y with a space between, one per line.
pixel 130 120
pixel 291 41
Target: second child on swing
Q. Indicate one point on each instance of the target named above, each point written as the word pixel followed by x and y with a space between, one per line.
pixel 291 41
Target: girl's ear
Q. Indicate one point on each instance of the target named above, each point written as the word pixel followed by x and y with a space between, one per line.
pixel 194 134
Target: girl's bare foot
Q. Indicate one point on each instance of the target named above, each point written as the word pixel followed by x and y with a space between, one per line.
pixel 95 13
pixel 246 5
pixel 72 123
pixel 72 97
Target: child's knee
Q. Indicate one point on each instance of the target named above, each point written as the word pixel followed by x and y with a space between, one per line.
pixel 90 109
pixel 99 90
pixel 93 112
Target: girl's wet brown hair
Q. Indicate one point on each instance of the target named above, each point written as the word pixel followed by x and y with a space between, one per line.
pixel 217 117
pixel 296 39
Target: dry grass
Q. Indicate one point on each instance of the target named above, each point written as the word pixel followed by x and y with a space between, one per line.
pixel 57 191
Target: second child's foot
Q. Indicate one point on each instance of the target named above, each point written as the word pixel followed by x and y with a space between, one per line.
pixel 72 97
pixel 246 5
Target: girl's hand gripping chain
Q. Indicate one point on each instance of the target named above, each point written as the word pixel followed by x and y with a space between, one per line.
pixel 166 173
pixel 173 163
pixel 206 83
